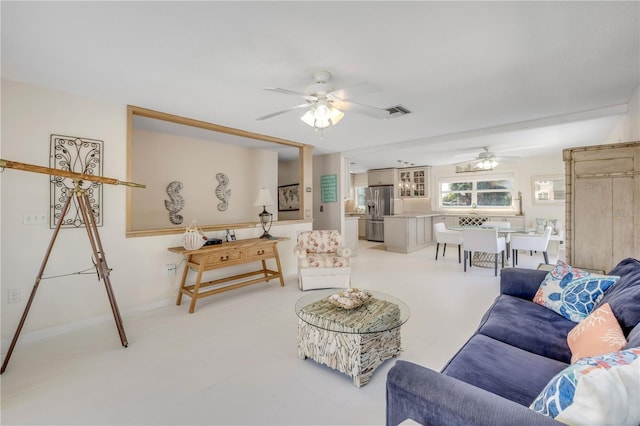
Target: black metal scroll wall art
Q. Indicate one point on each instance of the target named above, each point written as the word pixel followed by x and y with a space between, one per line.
pixel 80 155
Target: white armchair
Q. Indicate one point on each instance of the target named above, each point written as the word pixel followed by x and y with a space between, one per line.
pixel 323 262
pixel 445 236
pixel 483 240
pixel 531 243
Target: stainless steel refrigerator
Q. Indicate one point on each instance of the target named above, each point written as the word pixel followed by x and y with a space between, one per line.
pixel 379 203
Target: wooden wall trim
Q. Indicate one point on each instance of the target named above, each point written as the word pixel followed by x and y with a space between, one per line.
pixel 305 172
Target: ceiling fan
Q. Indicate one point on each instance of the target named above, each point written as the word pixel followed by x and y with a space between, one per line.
pixel 485 160
pixel 325 105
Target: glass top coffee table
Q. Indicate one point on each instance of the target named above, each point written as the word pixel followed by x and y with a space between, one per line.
pixel 353 341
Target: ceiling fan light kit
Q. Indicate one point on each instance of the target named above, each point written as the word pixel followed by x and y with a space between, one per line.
pixel 322 116
pixel 487 164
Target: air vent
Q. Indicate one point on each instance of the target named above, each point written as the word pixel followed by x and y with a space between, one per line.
pixel 397 111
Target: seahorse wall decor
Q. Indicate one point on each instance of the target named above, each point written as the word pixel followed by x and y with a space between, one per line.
pixel 222 192
pixel 177 202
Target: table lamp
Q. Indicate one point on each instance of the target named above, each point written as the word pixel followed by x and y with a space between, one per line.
pixel 266 219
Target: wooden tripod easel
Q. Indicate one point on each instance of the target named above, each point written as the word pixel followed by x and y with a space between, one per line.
pixel 94 238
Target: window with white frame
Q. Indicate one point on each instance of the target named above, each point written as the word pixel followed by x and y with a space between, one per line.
pixel 486 192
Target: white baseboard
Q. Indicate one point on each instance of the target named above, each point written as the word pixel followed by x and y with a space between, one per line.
pixel 45 333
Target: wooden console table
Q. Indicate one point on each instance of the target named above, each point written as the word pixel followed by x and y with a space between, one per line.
pixel 224 255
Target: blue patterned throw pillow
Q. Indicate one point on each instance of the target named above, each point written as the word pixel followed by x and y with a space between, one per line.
pixel 572 292
pixel 602 389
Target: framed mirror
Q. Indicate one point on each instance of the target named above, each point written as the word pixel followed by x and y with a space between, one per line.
pixel 201 171
pixel 548 189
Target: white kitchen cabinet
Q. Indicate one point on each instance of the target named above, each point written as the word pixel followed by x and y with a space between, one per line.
pixel 413 182
pixel 404 234
pixel 420 240
pixel 362 227
pixel 350 236
pixel 382 177
pixel 428 229
pixel 362 224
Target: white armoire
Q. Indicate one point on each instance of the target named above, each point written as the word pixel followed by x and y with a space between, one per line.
pixel 603 204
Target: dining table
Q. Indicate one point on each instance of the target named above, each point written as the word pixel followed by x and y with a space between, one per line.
pixel 486 260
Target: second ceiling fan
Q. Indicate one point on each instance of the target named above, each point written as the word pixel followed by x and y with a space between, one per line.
pixel 485 160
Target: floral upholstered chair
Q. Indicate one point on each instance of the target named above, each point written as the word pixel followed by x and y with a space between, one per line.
pixel 323 262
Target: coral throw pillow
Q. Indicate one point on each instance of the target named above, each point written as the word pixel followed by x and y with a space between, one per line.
pixel 598 334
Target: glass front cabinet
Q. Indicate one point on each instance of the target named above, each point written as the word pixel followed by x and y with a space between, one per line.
pixel 413 182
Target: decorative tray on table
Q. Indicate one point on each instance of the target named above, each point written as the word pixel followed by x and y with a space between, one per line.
pixel 350 298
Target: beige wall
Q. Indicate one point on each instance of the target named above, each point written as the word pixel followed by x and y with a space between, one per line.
pixel 29 115
pixel 332 214
pixel 159 159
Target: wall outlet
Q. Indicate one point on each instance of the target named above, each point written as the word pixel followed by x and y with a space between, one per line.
pixel 13 296
pixel 34 218
pixel 170 268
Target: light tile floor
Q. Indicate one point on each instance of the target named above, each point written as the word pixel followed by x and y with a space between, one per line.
pixel 235 360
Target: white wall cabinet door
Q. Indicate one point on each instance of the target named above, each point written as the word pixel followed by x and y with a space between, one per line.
pixel 382 177
pixel 413 182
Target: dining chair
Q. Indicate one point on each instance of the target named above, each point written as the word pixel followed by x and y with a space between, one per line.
pixel 501 225
pixel 531 243
pixel 483 240
pixel 447 236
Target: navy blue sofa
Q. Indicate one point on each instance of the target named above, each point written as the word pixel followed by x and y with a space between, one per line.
pixel 517 349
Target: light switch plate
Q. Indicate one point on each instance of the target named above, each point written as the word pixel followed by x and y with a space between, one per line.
pixel 39 218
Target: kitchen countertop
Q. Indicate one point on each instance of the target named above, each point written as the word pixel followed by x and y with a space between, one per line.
pixel 433 214
pixel 483 214
pixel 410 215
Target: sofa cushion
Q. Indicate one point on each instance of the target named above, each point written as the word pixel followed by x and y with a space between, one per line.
pixel 595 390
pixel 521 282
pixel 572 292
pixel 528 326
pixel 633 339
pixel 502 369
pixel 598 334
pixel 320 241
pixel 324 260
pixel 624 296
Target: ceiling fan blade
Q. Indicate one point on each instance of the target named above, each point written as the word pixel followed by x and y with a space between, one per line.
pixel 292 92
pixel 285 91
pixel 352 91
pixel 520 148
pixel 273 114
pixel 474 160
pixel 361 109
pixel 468 154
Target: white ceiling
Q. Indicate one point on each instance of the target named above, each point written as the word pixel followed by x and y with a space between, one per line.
pixel 525 78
